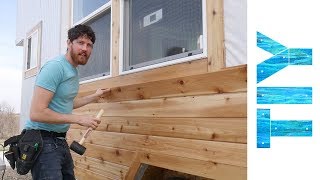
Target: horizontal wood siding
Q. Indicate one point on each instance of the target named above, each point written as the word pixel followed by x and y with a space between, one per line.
pixel 224 81
pixel 221 152
pixel 212 129
pixel 221 105
pixel 193 123
pixel 107 169
pixel 208 169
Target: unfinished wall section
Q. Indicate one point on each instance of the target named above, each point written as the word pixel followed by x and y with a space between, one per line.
pixel 189 117
pixel 194 124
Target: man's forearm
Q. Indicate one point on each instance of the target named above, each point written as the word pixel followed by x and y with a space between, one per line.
pixel 79 102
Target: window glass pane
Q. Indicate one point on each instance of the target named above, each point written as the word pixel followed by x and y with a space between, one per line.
pixel 82 8
pixel 32 55
pixel 161 30
pixel 99 62
pixel 34 50
pixel 29 53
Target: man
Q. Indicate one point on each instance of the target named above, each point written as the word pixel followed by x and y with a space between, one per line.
pixel 54 99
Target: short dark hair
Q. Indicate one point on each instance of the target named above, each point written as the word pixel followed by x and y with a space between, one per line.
pixel 81 30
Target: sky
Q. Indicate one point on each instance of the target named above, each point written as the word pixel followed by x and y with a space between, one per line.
pixel 11 57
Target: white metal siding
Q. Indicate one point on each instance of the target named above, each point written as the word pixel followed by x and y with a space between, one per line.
pixel 50 15
pixel 235 30
pixel 26 95
pixel 29 14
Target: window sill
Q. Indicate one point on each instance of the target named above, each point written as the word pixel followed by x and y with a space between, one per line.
pixel 163 64
pixel 30 72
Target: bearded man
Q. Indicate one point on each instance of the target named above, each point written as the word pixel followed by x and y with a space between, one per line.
pixel 53 100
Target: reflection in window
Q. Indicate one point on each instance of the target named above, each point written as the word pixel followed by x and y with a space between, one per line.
pixel 32 51
pixel 82 8
pixel 161 30
pixel 99 62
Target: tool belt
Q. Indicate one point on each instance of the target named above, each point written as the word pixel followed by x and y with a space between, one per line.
pixel 45 133
pixel 24 150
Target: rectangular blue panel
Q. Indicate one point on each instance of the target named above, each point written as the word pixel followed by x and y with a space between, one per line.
pixel 291 128
pixel 263 128
pixel 284 95
pixel 300 56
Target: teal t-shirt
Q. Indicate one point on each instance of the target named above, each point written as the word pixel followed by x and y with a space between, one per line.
pixel 61 78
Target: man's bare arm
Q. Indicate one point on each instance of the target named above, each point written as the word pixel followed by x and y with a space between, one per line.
pixel 41 113
pixel 79 102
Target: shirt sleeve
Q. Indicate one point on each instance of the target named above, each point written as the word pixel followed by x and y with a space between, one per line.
pixel 50 76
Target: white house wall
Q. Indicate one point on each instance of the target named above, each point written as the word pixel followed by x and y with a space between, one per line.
pixel 29 14
pixel 26 95
pixel 50 15
pixel 235 29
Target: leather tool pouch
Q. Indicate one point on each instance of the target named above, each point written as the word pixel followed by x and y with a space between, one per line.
pixel 13 153
pixel 25 152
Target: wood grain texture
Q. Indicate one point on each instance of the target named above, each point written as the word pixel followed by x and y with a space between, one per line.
pixel 219 152
pixel 133 168
pixel 224 81
pixel 113 155
pixel 212 129
pixel 115 13
pixel 83 174
pixel 220 105
pixel 107 169
pixel 215 29
pixel 208 169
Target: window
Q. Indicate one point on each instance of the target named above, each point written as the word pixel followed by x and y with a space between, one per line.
pixel 82 8
pixel 33 47
pixel 162 31
pixel 96 14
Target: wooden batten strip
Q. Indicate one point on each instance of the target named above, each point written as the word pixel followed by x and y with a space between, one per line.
pixel 168 72
pixel 221 105
pixel 215 29
pixel 219 152
pixel 115 13
pixel 224 81
pixel 134 167
pixel 213 129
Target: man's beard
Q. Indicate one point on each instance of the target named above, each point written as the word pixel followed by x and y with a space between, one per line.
pixel 77 58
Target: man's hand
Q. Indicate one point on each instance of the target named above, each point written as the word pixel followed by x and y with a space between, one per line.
pixel 88 121
pixel 103 92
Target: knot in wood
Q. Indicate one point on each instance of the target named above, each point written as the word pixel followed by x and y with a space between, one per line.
pixel 214 12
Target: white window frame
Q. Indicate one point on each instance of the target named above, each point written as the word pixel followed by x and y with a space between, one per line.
pixel 204 53
pixel 89 17
pixel 32 70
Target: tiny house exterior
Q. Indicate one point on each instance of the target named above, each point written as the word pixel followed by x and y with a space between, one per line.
pixel 178 78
